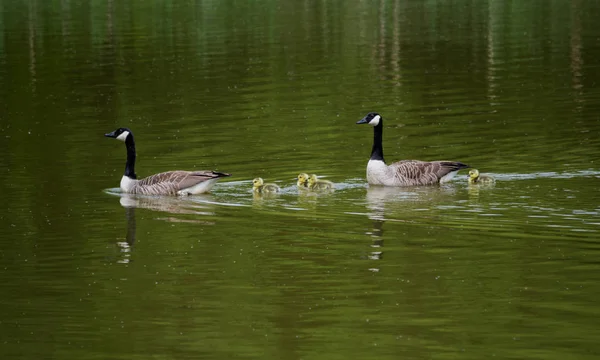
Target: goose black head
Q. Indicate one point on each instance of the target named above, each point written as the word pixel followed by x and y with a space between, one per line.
pixel 120 134
pixel 371 118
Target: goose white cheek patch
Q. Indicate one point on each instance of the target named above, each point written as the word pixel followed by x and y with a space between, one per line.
pixel 123 136
pixel 375 121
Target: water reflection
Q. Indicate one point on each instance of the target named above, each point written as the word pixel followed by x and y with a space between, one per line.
pixel 1 33
pixel 125 246
pixel 494 13
pixel 195 206
pixel 258 197
pixel 404 205
pixel 65 12
pixel 404 200
pixel 376 245
pixel 474 190
pixel 575 54
pixel 32 22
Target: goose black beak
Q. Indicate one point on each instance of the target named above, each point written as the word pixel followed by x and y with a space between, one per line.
pixel 362 121
pixel 111 135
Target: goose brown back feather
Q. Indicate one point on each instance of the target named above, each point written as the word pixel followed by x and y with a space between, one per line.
pixel 415 172
pixel 170 182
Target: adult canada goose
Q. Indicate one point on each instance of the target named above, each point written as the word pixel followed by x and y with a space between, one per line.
pixel 177 182
pixel 316 184
pixel 475 178
pixel 259 186
pixel 302 181
pixel 405 172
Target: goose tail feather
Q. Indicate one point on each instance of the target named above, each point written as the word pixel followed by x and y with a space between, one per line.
pixel 220 174
pixel 454 165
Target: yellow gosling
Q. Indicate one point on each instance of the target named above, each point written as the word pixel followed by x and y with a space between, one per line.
pixel 316 184
pixel 259 186
pixel 475 178
pixel 302 181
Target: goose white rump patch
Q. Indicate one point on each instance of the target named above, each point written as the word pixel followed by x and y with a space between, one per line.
pixel 448 177
pixel 203 187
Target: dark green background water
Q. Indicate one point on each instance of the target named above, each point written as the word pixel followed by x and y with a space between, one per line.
pixel 271 89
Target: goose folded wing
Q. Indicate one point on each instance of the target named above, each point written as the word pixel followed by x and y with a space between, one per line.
pixel 180 179
pixel 415 172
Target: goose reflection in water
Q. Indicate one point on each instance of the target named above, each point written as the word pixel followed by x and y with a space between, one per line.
pixel 398 204
pixel 197 205
pixel 376 198
pixel 376 234
pixel 404 201
pixel 161 204
pixel 125 246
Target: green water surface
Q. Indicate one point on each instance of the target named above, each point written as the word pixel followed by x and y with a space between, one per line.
pixel 272 89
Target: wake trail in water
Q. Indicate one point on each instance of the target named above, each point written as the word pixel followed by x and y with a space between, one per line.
pixel 546 175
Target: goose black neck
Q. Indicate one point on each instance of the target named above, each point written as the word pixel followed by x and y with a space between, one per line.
pixel 377 151
pixel 130 165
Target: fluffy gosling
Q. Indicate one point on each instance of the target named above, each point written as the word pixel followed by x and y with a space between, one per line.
pixel 302 181
pixel 316 184
pixel 259 186
pixel 475 178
